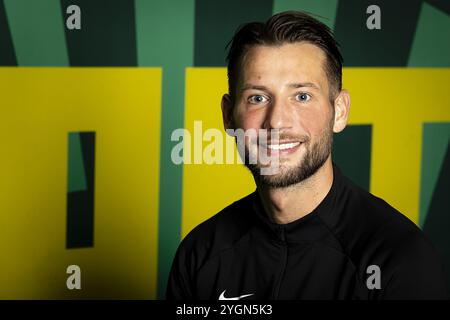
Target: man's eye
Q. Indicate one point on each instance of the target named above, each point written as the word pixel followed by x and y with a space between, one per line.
pixel 257 99
pixel 303 97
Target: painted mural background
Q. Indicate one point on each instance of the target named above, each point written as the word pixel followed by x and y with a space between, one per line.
pixel 86 117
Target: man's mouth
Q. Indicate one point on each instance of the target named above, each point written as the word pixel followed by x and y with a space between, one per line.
pixel 282 147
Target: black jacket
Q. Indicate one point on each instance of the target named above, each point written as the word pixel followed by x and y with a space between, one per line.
pixel 331 253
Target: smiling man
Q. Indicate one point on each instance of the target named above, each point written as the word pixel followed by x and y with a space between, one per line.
pixel 306 232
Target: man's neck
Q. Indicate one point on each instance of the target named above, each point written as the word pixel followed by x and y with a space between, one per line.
pixel 285 205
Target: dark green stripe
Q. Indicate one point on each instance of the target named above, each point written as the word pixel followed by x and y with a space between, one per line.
pixel 437 223
pixel 107 36
pixel 389 46
pixel 352 151
pixel 324 9
pixel 37 32
pixel 443 5
pixel 165 33
pixel 80 204
pixel 216 22
pixel 7 55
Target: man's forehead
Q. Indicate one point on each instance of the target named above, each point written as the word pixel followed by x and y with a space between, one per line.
pixel 296 63
pixel 298 52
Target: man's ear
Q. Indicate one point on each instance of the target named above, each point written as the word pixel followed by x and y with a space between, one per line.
pixel 227 112
pixel 341 111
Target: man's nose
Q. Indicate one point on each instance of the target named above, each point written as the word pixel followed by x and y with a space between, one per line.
pixel 279 116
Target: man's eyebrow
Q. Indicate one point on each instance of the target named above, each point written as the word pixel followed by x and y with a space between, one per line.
pixel 252 86
pixel 295 85
pixel 303 85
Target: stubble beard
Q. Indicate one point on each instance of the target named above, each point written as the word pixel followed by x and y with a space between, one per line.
pixel 314 158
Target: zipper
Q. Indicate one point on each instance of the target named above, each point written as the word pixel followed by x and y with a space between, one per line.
pixel 283 262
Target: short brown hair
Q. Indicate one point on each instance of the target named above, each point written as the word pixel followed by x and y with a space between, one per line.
pixel 286 27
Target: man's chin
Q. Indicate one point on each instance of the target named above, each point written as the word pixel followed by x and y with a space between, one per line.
pixel 277 182
pixel 285 176
pixel 281 178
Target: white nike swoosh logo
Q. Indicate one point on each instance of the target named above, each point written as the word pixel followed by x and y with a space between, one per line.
pixel 222 296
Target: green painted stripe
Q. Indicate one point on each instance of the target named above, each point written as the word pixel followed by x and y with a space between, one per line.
pixel 431 46
pixel 7 54
pixel 436 137
pixel 354 165
pixel 326 9
pixel 107 36
pixel 37 32
pixel 76 177
pixel 80 204
pixel 165 37
pixel 216 22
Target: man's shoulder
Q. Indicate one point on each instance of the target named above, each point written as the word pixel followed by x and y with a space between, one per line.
pixel 375 216
pixel 374 233
pixel 223 229
pixel 408 261
pixel 377 229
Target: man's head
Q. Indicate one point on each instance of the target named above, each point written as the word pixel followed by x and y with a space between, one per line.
pixel 285 75
pixel 283 28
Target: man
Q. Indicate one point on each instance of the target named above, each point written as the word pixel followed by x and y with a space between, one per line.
pixel 306 232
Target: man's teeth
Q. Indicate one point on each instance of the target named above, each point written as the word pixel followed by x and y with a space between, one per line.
pixel 283 146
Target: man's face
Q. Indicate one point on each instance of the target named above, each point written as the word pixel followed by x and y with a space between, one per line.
pixel 286 88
